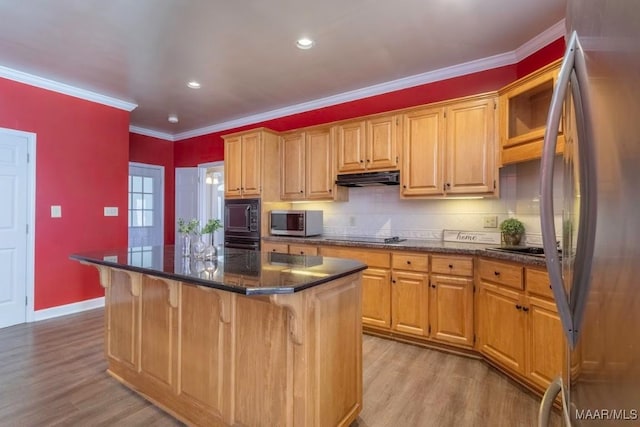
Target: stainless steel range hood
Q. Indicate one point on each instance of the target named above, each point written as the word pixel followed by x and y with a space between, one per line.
pixel 369 179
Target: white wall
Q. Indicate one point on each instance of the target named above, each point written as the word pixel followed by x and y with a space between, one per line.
pixel 379 211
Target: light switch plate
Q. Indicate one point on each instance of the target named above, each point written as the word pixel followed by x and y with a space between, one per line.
pixel 490 221
pixel 110 258
pixel 110 211
pixel 56 211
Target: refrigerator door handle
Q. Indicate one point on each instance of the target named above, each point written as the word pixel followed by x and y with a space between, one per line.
pixel 546 191
pixel 585 245
pixel 546 405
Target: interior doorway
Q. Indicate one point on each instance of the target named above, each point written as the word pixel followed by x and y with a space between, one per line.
pixel 211 178
pixel 17 230
pixel 146 205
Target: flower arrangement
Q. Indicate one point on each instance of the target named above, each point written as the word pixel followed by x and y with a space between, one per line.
pixel 211 226
pixel 188 227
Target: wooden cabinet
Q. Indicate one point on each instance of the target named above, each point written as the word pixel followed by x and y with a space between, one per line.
pixel 286 248
pixel 451 300
pixel 376 282
pixel 423 153
pixel 248 156
pixel 470 166
pixel 450 149
pixel 519 327
pixel 307 164
pixel 367 145
pixel 410 293
pixel 524 106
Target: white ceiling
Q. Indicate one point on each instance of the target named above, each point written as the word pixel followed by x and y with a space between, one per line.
pixel 243 51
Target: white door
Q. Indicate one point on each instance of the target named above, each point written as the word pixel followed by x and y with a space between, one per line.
pixel 146 205
pixel 211 177
pixel 13 227
pixel 186 196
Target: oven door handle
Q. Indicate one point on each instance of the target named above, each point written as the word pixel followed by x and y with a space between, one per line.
pixel 251 246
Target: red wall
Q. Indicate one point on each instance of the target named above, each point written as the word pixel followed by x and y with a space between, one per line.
pixel 82 155
pixel 154 151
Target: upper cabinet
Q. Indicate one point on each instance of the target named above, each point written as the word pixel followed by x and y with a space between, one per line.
pixel 307 162
pixel 450 149
pixel 247 156
pixel 368 145
pixel 524 106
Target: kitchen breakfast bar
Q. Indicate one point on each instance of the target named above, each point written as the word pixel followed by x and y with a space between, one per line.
pixel 250 338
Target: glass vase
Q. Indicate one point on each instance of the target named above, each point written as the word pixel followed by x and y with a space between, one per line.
pixel 210 252
pixel 186 245
pixel 198 247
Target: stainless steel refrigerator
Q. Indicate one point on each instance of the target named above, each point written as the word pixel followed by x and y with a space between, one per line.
pixel 596 279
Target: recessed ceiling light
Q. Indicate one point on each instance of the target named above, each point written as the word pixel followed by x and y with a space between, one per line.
pixel 193 84
pixel 172 118
pixel 305 43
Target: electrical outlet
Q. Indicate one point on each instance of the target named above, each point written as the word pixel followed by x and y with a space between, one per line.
pixel 110 211
pixel 491 221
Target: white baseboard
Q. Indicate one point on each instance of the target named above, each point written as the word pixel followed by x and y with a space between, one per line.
pixel 63 310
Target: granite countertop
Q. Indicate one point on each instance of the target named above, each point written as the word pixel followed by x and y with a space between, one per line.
pixel 236 270
pixel 417 246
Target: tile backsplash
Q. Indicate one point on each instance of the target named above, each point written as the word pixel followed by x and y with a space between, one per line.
pixel 379 211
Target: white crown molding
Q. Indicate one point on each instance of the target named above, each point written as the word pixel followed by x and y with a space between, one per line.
pixel 30 79
pixel 152 133
pixel 551 34
pixel 391 86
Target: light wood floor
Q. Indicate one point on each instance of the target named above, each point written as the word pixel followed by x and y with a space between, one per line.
pixel 52 373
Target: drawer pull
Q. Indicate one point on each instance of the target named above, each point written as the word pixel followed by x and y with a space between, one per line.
pixel 525 309
pixel 409 262
pixel 450 265
pixel 518 307
pixel 433 286
pixel 497 273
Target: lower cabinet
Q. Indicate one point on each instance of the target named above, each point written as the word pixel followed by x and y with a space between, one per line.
pixel 410 303
pixel 293 249
pixel 519 327
pixel 451 310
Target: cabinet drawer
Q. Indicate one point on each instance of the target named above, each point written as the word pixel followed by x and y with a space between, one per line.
pixel 538 282
pixel 303 250
pixel 411 262
pixel 371 258
pixel 282 248
pixel 454 265
pixel 502 273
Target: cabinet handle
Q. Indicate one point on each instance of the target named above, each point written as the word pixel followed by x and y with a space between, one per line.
pixel 361 161
pixel 448 185
pixel 433 286
pixel 409 262
pixel 404 186
pixel 330 190
pixel 301 252
pixel 497 273
pixel 525 309
pixel 450 265
pixel 301 191
pixel 518 307
pixel 368 161
pixel 393 280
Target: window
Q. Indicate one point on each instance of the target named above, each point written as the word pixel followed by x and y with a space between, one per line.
pixel 140 201
pixel 141 256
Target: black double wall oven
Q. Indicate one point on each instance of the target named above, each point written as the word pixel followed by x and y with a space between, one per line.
pixel 242 224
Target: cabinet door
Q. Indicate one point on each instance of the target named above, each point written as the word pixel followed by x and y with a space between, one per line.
pixel 410 303
pixel 471 141
pixel 501 326
pixel 423 153
pixel 376 297
pixel 545 342
pixel 382 143
pixel 233 167
pixel 251 165
pixel 351 147
pixel 320 171
pixel 451 310
pixel 292 165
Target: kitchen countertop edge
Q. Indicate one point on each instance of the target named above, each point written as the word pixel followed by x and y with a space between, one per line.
pixel 417 246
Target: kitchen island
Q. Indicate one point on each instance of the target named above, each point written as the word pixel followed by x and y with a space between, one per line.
pixel 255 339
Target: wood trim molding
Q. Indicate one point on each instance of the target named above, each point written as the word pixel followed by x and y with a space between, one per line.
pixel 295 314
pixel 104 273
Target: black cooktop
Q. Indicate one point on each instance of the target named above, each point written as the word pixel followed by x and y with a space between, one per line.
pixel 367 239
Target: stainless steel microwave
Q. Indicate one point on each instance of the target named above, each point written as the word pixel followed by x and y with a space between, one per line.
pixel 296 223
